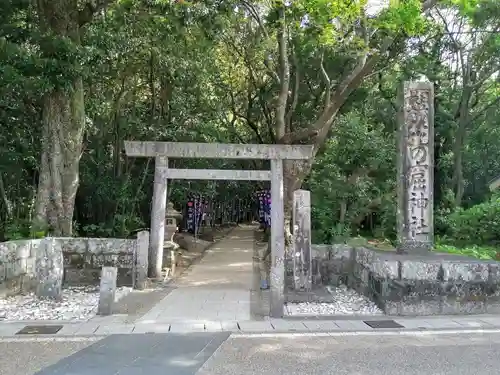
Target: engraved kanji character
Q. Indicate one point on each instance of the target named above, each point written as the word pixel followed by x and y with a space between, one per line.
pixel 418 178
pixel 418 154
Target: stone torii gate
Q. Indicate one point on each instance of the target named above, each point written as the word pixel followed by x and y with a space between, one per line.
pixel 161 151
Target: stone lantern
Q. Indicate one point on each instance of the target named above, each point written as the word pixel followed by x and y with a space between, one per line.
pixel 172 217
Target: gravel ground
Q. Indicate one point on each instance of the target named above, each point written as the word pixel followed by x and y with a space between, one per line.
pixel 78 303
pixel 346 302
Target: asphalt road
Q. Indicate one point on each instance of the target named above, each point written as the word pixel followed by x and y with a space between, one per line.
pixel 27 358
pixel 389 355
pixel 219 354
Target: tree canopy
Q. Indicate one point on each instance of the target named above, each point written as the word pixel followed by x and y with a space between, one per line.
pixel 78 78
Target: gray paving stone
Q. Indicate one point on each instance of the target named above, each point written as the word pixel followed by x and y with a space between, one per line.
pixel 88 328
pixel 321 325
pixel 230 326
pixel 288 325
pixel 213 326
pixel 10 329
pixel 113 329
pixel 140 354
pixel 69 329
pixel 151 328
pixel 494 321
pixel 255 326
pixel 414 323
pixel 110 319
pixel 443 323
pixel 352 325
pixel 187 327
pixel 472 323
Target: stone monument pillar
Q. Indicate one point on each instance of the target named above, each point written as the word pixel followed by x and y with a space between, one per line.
pixel 107 291
pixel 49 269
pixel 302 259
pixel 141 260
pixel 416 168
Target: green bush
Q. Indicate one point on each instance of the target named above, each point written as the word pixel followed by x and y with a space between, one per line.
pixel 479 224
pixel 474 251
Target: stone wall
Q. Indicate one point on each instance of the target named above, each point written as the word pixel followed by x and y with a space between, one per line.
pixel 401 284
pixel 83 260
pixel 17 265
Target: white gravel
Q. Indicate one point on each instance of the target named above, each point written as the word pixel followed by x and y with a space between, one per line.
pixel 78 303
pixel 347 302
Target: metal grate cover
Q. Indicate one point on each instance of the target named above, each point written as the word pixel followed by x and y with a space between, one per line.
pixel 383 324
pixel 39 330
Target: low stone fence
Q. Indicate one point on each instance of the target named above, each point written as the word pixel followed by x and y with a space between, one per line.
pixel 432 284
pixel 83 259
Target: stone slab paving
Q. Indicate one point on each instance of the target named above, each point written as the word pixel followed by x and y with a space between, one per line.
pixel 218 288
pixel 141 354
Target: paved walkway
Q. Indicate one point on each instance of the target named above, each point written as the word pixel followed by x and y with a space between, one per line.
pixel 218 288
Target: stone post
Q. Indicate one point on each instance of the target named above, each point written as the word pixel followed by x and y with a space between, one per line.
pixel 107 291
pixel 172 218
pixel 277 240
pixel 141 262
pixel 49 269
pixel 302 259
pixel 416 168
pixel 158 217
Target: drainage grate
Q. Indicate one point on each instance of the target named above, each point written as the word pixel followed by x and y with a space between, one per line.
pixel 39 330
pixel 383 324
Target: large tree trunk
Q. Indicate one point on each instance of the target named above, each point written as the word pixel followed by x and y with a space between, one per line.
pixel 462 118
pixel 63 126
pixel 62 136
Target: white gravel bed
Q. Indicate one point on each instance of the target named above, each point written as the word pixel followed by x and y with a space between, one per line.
pixel 78 303
pixel 347 302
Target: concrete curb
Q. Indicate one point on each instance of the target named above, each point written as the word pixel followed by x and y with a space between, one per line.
pixel 273 327
pixel 367 333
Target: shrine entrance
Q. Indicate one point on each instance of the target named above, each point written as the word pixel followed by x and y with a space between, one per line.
pixel 161 151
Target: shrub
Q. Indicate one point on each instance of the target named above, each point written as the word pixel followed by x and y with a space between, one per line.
pixel 479 224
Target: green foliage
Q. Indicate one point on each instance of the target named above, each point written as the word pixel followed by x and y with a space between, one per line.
pixel 403 15
pixel 121 226
pixel 479 224
pixel 352 174
pixel 474 251
pixel 202 71
pixel 23 229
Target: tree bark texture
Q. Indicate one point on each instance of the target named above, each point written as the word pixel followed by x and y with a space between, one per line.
pixel 63 123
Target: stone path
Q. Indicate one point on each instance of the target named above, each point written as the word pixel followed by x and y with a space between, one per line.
pixel 218 288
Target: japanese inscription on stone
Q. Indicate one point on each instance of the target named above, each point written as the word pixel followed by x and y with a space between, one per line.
pixel 415 167
pixel 302 260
